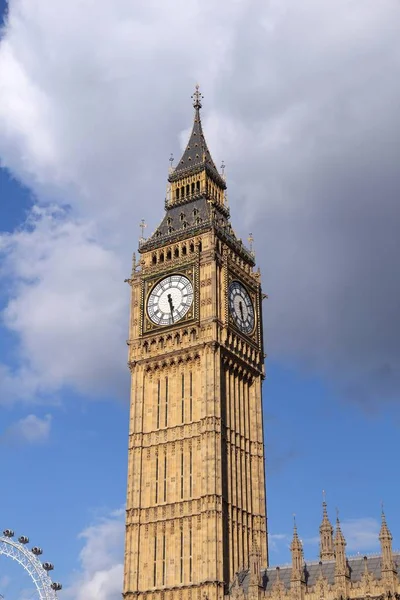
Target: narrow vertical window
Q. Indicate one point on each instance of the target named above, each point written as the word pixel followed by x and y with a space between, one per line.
pixel 165 478
pixel 190 473
pixel 163 560
pixel 155 562
pixel 190 396
pixel 166 401
pixel 156 479
pixel 158 403
pixel 183 398
pixel 181 475
pixel 181 561
pixel 190 555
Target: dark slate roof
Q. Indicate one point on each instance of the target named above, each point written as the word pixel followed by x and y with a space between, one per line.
pixel 312 572
pixel 196 154
pixel 183 218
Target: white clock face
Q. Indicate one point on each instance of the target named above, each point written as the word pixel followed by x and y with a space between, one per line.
pixel 170 300
pixel 241 307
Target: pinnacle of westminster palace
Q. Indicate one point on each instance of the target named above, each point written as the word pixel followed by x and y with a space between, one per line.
pixel 196 525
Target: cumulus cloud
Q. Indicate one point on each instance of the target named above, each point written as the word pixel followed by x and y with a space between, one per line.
pixel 301 102
pixel 277 542
pixel 67 305
pixel 101 559
pixel 362 535
pixel 31 430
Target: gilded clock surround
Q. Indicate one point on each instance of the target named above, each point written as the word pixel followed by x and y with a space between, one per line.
pixel 196 487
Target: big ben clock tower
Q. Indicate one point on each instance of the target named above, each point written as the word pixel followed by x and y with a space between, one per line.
pixel 196 505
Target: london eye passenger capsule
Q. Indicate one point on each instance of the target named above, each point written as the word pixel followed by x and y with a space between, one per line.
pixel 37 551
pixel 56 586
pixel 23 539
pixel 8 533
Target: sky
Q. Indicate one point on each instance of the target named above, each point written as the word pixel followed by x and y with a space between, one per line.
pixel 301 103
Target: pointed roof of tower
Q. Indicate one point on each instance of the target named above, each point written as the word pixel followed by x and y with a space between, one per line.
pixel 325 524
pixel 296 542
pixel 196 155
pixel 384 533
pixel 339 537
pixel 326 534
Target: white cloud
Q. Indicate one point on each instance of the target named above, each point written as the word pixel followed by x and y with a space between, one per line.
pixel 302 105
pixel 277 542
pixel 101 559
pixel 67 306
pixel 31 429
pixel 362 534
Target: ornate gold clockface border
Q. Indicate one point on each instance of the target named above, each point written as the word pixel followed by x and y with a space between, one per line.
pixel 253 293
pixel 191 271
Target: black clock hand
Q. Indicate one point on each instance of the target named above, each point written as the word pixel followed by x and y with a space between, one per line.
pixel 171 306
pixel 241 310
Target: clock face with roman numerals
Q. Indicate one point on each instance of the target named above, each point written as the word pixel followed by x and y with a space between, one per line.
pixel 241 307
pixel 170 299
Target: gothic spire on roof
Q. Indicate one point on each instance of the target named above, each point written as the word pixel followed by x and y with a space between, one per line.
pixel 384 533
pixel 326 534
pixel 296 549
pixel 339 537
pixel 196 155
pixel 385 538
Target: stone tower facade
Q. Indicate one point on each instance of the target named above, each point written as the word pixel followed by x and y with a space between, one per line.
pixel 196 507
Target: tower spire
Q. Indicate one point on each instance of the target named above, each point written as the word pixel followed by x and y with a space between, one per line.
pixel 387 563
pixel 196 157
pixel 296 548
pixel 297 581
pixel 326 550
pixel 341 569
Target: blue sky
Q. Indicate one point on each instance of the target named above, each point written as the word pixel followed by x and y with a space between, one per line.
pixel 87 152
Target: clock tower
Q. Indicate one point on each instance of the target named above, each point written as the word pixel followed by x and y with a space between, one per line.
pixel 196 506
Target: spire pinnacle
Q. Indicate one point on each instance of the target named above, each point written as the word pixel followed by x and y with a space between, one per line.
pixel 339 537
pixel 296 543
pixel 384 533
pixel 196 157
pixel 296 549
pixel 326 533
pixel 197 97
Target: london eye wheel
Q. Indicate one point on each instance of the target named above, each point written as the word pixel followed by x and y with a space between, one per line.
pixel 38 573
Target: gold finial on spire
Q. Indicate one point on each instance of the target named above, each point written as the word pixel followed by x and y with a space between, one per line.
pixel 222 167
pixel 197 97
pixel 171 162
pixel 250 239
